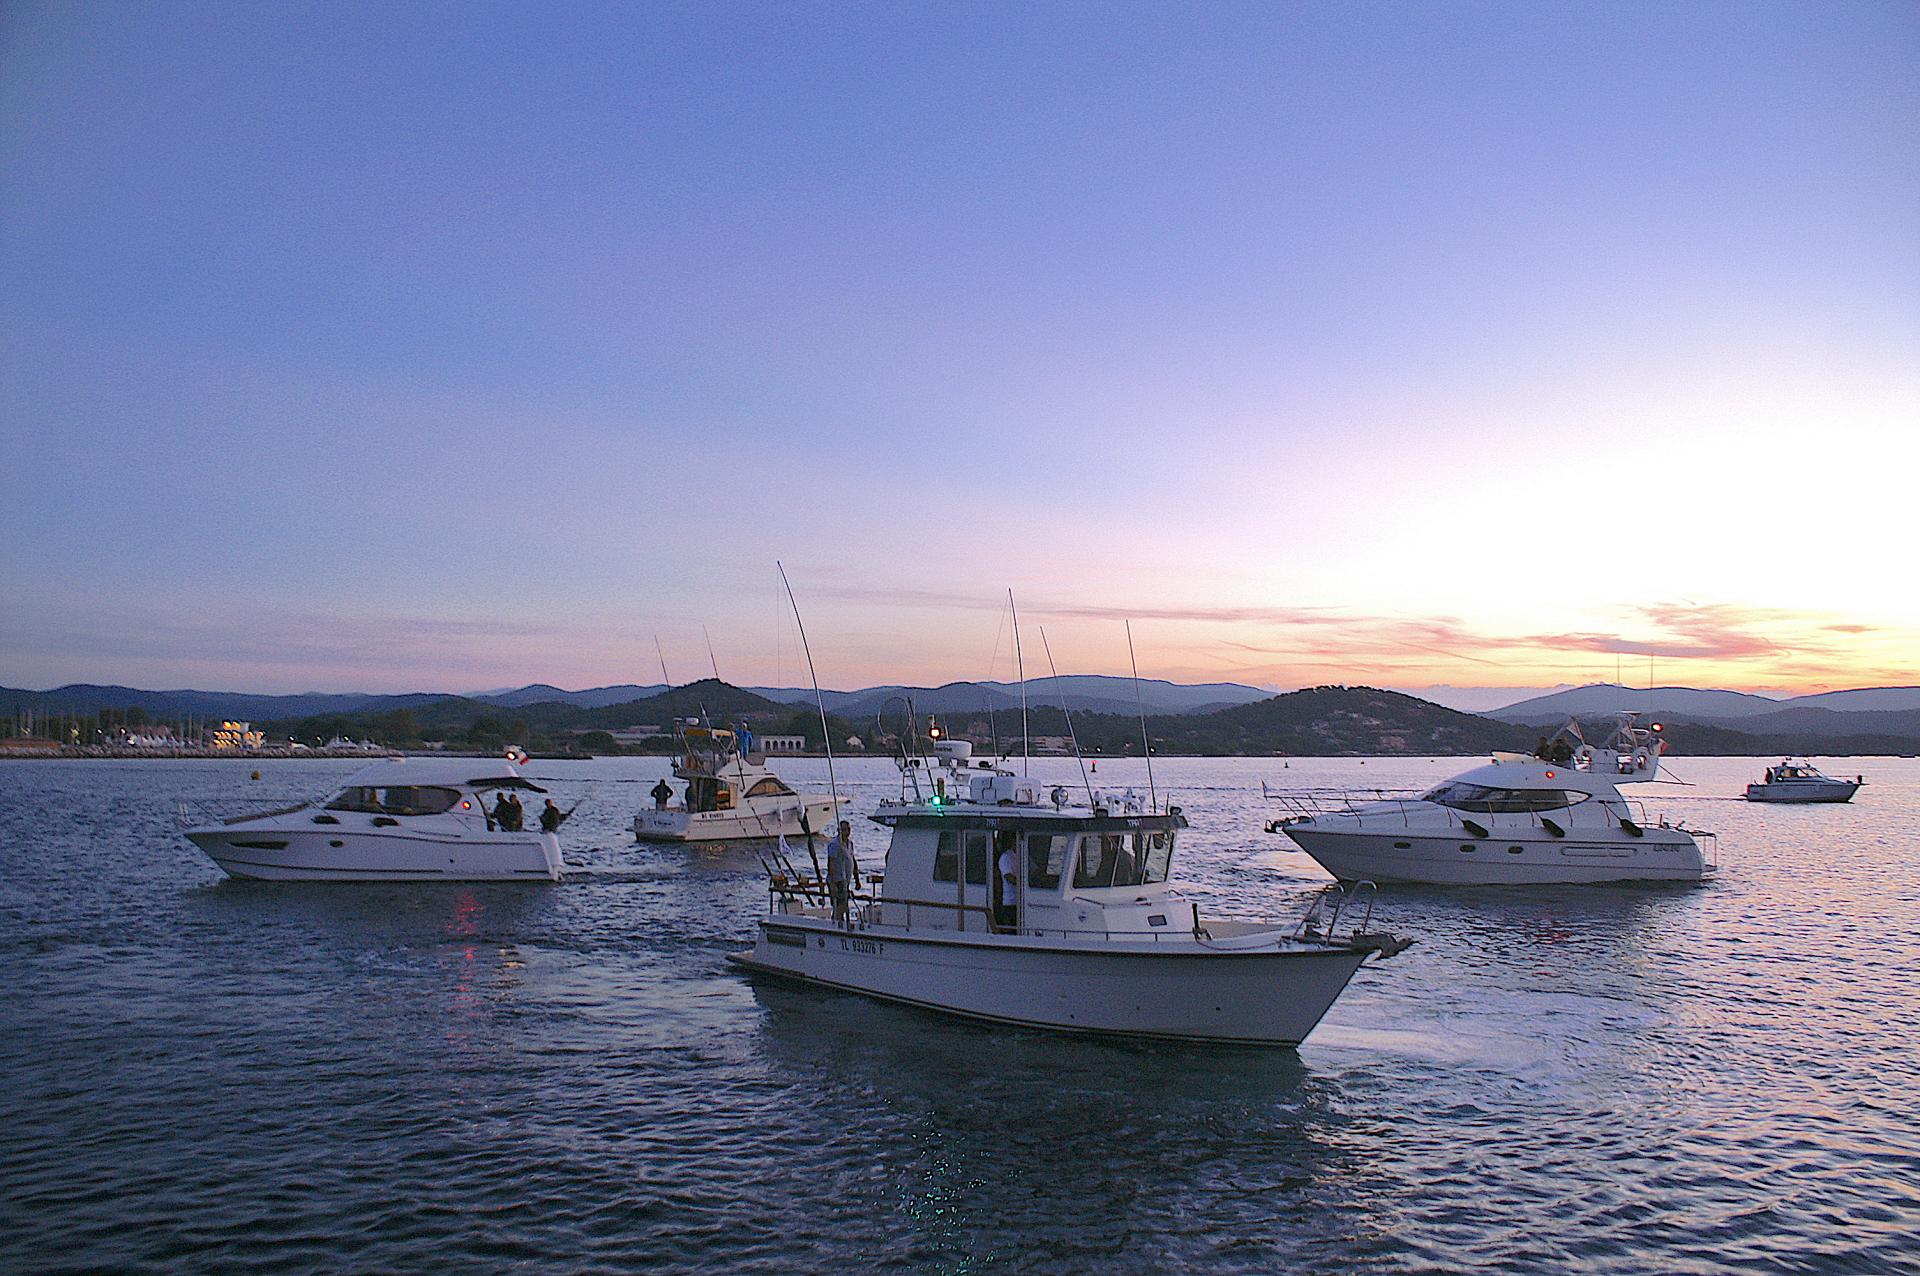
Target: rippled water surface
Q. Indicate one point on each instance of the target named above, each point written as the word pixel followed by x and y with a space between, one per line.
pixel 202 1073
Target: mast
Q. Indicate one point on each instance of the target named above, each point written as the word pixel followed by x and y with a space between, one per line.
pixel 1146 746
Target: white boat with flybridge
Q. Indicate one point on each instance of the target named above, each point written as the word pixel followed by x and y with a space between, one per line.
pixel 730 795
pixel 1004 901
pixel 1798 780
pixel 1516 820
pixel 397 820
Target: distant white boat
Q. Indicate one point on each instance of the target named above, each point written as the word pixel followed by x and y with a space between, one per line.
pixel 1081 934
pixel 730 795
pixel 400 820
pixel 1801 781
pixel 344 744
pixel 1517 820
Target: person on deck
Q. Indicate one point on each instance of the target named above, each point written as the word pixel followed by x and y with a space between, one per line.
pixel 662 794
pixel 843 871
pixel 503 813
pixel 1006 908
pixel 516 818
pixel 551 817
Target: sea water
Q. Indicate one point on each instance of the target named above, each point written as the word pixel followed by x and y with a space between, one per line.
pixel 200 1074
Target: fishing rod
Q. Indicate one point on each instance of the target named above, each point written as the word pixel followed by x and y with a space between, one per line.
pixel 1068 715
pixel 1146 746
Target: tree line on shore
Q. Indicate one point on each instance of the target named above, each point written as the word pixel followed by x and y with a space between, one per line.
pixel 1317 721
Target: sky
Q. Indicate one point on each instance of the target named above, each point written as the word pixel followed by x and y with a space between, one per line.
pixel 443 347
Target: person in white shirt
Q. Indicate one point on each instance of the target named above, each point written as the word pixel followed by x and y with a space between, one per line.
pixel 1006 910
pixel 843 871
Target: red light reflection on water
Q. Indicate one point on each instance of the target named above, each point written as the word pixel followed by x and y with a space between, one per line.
pixel 465 921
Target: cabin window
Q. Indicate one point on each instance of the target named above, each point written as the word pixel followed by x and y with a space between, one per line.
pixel 1480 797
pixel 1108 859
pixel 358 798
pixel 946 858
pixel 768 787
pixel 420 800
pixel 979 850
pixel 1131 866
pixel 1159 857
pixel 1046 860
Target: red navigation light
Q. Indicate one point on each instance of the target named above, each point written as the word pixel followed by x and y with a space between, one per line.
pixel 1549 775
pixel 1658 727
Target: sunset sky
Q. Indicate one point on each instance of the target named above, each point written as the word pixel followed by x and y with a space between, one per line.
pixel 402 347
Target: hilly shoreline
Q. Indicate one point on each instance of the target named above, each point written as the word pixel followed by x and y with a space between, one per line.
pixel 1325 721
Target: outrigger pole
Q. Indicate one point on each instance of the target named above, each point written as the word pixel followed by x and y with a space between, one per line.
pixel 1146 746
pixel 1025 750
pixel 1068 715
pixel 826 733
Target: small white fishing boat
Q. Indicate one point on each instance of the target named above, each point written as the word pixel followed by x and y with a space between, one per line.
pixel 1798 780
pixel 730 794
pixel 1003 903
pixel 1517 820
pixel 400 820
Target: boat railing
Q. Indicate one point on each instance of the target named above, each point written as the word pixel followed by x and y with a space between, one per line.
pixel 868 912
pixel 1305 804
pixel 188 814
pixel 1331 904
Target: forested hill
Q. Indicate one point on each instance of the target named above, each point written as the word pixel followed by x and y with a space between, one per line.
pixel 1318 721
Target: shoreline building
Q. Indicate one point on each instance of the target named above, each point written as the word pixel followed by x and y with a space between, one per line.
pixel 236 737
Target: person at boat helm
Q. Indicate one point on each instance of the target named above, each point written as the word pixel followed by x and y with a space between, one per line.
pixel 662 794
pixel 511 815
pixel 1006 907
pixel 843 871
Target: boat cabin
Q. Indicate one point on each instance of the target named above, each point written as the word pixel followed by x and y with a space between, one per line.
pixel 411 787
pixel 1793 771
pixel 1013 867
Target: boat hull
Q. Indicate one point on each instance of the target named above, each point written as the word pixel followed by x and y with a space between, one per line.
pixel 297 855
pixel 740 824
pixel 1834 791
pixel 1660 855
pixel 1184 992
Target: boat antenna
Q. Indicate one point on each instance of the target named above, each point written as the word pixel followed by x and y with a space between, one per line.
pixel 1073 739
pixel 1146 746
pixel 663 662
pixel 826 734
pixel 1026 751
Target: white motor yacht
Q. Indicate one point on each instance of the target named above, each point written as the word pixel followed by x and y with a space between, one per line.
pixel 399 820
pixel 1798 780
pixel 1090 937
pixel 731 795
pixel 1517 820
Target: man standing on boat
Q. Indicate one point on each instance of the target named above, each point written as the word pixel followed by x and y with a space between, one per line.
pixel 1006 908
pixel 843 871
pixel 662 792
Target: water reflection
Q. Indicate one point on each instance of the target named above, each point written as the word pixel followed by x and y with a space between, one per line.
pixel 1022 1145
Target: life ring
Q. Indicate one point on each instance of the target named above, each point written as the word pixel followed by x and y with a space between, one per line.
pixel 1642 758
pixel 1583 757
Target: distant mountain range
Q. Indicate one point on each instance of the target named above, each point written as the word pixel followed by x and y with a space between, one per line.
pixel 1084 693
pixel 1867 711
pixel 1208 718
